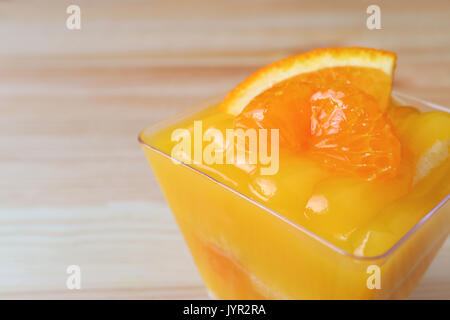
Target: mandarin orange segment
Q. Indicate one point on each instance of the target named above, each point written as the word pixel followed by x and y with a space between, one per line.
pixel 372 81
pixel 282 107
pixel 243 284
pixel 351 136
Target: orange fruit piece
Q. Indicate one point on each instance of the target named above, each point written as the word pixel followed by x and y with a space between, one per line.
pixel 379 61
pixel 349 134
pixel 333 111
pixel 281 107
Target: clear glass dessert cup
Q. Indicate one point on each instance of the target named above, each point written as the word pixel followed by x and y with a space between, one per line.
pixel 280 259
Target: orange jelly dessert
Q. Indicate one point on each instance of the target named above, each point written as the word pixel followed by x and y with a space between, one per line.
pixel 309 180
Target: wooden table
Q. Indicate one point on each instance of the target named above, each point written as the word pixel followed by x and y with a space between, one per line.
pixel 75 187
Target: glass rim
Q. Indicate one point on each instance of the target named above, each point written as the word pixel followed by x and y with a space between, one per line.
pixel 399 96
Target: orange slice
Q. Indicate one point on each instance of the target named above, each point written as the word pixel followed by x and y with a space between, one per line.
pixel 311 61
pixel 329 104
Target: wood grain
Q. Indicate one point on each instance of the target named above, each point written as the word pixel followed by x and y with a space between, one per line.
pixel 75 187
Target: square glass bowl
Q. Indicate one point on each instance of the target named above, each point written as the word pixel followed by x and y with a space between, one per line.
pixel 280 259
